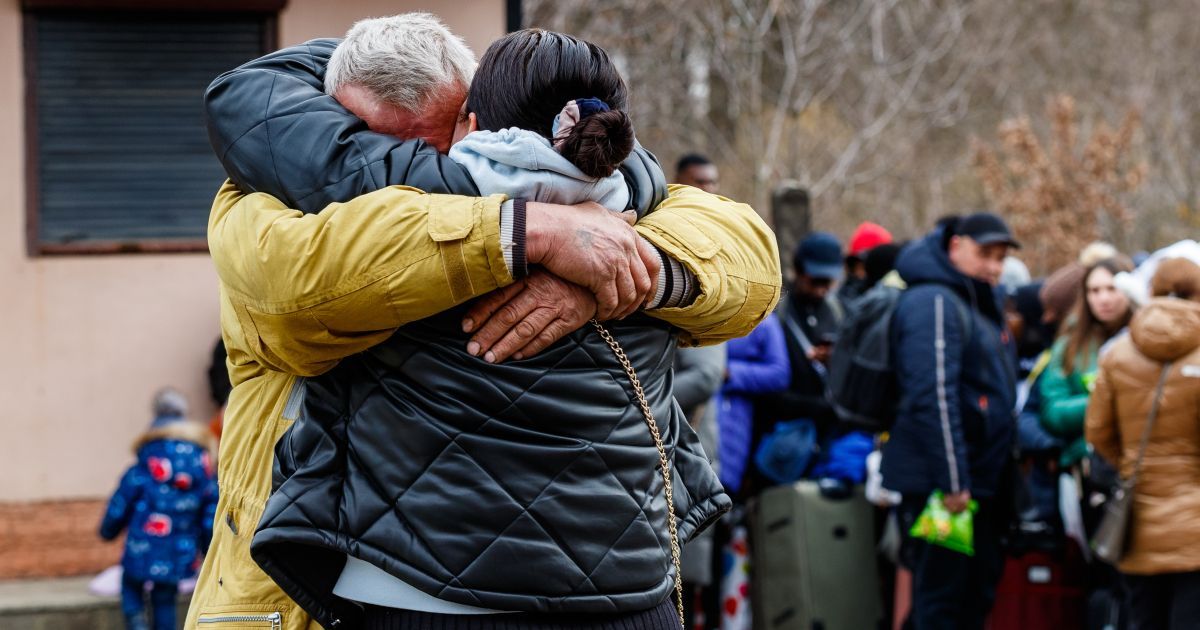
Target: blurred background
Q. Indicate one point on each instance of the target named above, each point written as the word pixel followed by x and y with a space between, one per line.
pixel 1074 119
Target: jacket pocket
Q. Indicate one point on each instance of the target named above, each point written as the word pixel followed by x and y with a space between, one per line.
pixel 694 240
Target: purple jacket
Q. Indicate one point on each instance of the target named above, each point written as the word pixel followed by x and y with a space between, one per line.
pixel 757 364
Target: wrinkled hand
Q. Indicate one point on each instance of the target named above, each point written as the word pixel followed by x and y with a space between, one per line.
pixel 524 318
pixel 958 502
pixel 596 249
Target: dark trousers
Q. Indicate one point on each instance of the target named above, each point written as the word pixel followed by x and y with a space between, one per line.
pixel 162 604
pixel 1170 601
pixel 952 590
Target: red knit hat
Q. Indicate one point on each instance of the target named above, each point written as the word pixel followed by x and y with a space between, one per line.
pixel 868 236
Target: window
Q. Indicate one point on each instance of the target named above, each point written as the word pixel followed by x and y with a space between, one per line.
pixel 117 153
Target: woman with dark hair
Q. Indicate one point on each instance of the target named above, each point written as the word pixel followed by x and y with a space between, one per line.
pixel 549 491
pixel 1101 312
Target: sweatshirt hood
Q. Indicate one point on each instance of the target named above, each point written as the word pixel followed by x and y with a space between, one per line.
pixel 925 261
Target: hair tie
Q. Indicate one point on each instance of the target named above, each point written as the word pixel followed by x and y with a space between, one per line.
pixel 572 113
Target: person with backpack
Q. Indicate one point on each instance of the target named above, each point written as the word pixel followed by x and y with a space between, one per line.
pixel 810 315
pixel 866 238
pixel 955 374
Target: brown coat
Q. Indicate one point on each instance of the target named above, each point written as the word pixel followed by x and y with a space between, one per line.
pixel 1165 530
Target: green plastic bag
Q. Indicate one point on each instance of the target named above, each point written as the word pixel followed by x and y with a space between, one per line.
pixel 936 525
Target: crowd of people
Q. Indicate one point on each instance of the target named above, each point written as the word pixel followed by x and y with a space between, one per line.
pixel 460 409
pixel 1023 401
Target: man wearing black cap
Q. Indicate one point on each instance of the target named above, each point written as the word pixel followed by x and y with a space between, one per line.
pixel 955 422
pixel 810 314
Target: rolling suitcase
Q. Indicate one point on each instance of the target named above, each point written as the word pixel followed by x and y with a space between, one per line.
pixel 1041 590
pixel 813 560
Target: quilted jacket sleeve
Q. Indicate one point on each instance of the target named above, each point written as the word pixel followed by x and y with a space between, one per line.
pixel 732 254
pixel 311 289
pixel 929 369
pixel 693 470
pixel 276 131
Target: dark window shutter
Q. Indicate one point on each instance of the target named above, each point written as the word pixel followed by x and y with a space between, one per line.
pixel 122 153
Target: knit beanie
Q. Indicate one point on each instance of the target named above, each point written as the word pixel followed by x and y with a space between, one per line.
pixel 1061 290
pixel 1097 252
pixel 868 236
pixel 880 260
pixel 169 403
pixel 1027 303
pixel 1015 274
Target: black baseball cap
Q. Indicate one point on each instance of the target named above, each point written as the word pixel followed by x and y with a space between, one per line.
pixel 819 255
pixel 986 228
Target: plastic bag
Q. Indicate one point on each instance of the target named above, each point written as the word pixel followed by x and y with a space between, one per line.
pixel 936 525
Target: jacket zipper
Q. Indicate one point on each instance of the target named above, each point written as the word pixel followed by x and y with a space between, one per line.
pixel 291 409
pixel 275 619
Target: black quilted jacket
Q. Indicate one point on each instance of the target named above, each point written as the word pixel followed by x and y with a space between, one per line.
pixel 532 485
pixel 527 486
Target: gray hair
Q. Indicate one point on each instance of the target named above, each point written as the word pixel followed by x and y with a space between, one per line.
pixel 403 59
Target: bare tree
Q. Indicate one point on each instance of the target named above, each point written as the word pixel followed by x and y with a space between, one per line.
pixel 1064 191
pixel 872 105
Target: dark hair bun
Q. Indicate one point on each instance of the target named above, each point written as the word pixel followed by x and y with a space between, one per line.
pixel 599 143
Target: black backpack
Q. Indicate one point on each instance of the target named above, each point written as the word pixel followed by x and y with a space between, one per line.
pixel 862 379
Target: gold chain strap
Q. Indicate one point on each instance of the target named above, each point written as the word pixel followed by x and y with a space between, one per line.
pixel 662 460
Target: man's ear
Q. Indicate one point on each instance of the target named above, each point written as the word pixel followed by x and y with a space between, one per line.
pixel 472 123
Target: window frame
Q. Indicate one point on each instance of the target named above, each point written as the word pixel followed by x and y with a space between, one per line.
pixel 31 10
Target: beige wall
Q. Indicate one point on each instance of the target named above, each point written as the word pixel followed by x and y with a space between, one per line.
pixel 85 340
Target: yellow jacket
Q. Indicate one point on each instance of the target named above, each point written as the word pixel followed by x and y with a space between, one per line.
pixel 299 292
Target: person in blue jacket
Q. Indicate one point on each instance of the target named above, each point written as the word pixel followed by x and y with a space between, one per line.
pixel 757 364
pixel 955 426
pixel 167 501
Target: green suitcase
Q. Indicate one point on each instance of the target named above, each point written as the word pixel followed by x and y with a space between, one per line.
pixel 814 565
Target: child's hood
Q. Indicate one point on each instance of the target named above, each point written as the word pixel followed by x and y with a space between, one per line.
pixel 184 431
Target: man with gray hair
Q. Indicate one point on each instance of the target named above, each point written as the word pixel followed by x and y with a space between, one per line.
pixel 405 75
pixel 335 257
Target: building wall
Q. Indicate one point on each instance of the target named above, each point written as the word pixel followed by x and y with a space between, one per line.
pixel 88 339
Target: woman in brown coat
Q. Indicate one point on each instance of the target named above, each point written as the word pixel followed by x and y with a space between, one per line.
pixel 1162 562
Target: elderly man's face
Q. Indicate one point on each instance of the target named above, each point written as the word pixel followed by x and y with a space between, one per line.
pixel 435 123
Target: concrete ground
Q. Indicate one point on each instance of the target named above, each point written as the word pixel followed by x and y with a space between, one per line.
pixel 60 604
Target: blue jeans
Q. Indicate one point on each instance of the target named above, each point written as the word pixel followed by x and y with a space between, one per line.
pixel 162 601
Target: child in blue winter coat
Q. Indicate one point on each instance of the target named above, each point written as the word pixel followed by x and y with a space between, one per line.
pixel 167 501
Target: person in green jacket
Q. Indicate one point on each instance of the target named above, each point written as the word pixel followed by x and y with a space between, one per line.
pixel 1101 313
